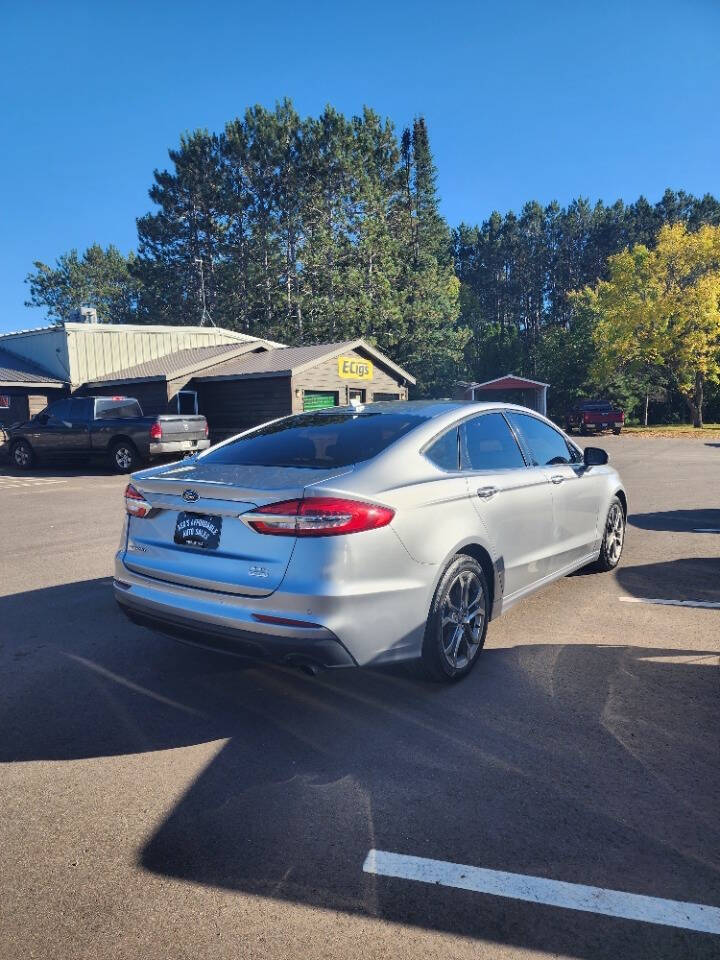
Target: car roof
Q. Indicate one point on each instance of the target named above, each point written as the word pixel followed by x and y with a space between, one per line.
pixel 425 408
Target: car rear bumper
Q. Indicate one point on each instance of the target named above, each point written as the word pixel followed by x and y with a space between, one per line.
pixel 372 613
pixel 319 652
pixel 162 447
pixel 312 645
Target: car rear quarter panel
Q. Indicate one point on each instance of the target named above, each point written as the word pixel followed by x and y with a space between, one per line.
pixel 366 589
pixel 434 520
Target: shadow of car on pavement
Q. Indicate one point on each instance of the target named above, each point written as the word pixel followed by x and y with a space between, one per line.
pixel 584 763
pixel 686 521
pixel 688 578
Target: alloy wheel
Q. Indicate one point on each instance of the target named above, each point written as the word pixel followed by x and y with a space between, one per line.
pixel 123 458
pixel 614 533
pixel 462 618
pixel 21 455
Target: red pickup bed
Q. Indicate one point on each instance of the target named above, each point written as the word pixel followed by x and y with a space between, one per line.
pixel 595 415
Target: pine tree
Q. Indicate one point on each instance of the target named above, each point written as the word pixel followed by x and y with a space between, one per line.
pixel 100 278
pixel 181 247
pixel 431 342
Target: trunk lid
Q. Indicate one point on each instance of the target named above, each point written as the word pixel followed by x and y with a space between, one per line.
pixel 245 562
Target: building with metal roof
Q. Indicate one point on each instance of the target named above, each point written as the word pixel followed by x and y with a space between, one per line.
pixel 239 386
pixel 17 371
pixel 19 378
pixel 509 389
pixel 234 379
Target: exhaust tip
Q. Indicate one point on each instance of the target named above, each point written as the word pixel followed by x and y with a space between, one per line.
pixel 309 667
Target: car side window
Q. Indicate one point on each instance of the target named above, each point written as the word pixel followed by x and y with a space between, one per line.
pixel 487 443
pixel 547 446
pixel 443 451
pixel 59 410
pixel 79 409
pixel 576 455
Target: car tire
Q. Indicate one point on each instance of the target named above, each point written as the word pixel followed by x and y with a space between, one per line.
pixel 462 592
pixel 22 455
pixel 613 537
pixel 124 457
pixel 617 431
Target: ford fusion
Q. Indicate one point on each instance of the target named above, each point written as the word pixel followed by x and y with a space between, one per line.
pixel 367 534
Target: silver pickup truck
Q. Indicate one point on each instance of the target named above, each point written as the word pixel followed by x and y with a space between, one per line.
pixel 84 428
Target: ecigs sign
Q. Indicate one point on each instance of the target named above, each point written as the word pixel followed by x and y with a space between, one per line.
pixel 354 368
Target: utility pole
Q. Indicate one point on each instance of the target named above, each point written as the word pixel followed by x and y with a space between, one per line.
pixel 205 312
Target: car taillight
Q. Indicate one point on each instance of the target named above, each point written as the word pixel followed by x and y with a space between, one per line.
pixel 156 432
pixel 135 503
pixel 586 418
pixel 622 415
pixel 207 429
pixel 317 517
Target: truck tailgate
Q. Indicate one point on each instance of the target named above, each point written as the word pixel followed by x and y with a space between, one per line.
pixel 179 427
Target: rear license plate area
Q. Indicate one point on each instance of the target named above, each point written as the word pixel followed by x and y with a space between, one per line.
pixel 198 530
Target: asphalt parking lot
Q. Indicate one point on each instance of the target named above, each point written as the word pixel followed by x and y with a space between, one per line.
pixel 160 801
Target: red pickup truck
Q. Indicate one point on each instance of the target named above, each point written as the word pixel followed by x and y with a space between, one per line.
pixel 595 415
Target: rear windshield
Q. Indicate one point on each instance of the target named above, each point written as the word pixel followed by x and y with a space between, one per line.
pixel 598 407
pixel 322 440
pixel 111 409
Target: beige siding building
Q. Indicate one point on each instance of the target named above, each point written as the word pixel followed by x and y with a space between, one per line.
pixel 236 380
pixel 81 352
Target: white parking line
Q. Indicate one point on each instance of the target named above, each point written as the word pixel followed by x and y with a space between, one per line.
pixel 30 481
pixel 709 604
pixel 555 893
pixel 23 485
pixel 693 659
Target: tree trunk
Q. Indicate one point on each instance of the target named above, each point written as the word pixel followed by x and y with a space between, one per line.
pixel 699 384
pixel 694 400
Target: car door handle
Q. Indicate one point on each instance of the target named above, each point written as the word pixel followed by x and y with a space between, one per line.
pixel 487 493
pixel 556 478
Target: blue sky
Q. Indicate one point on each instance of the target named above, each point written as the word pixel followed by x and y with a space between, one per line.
pixel 524 100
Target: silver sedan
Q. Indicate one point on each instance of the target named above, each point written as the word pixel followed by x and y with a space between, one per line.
pixel 366 534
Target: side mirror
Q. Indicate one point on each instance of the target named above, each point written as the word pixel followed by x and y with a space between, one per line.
pixel 41 418
pixel 595 457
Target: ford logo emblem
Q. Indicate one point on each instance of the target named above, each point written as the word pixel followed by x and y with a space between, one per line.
pixel 190 495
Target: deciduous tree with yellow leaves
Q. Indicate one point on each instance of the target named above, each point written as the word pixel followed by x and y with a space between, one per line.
pixel 660 309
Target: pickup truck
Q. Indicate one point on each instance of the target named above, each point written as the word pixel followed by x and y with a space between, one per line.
pixel 82 428
pixel 594 415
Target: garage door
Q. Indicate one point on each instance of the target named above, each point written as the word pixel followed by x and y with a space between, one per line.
pixel 319 399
